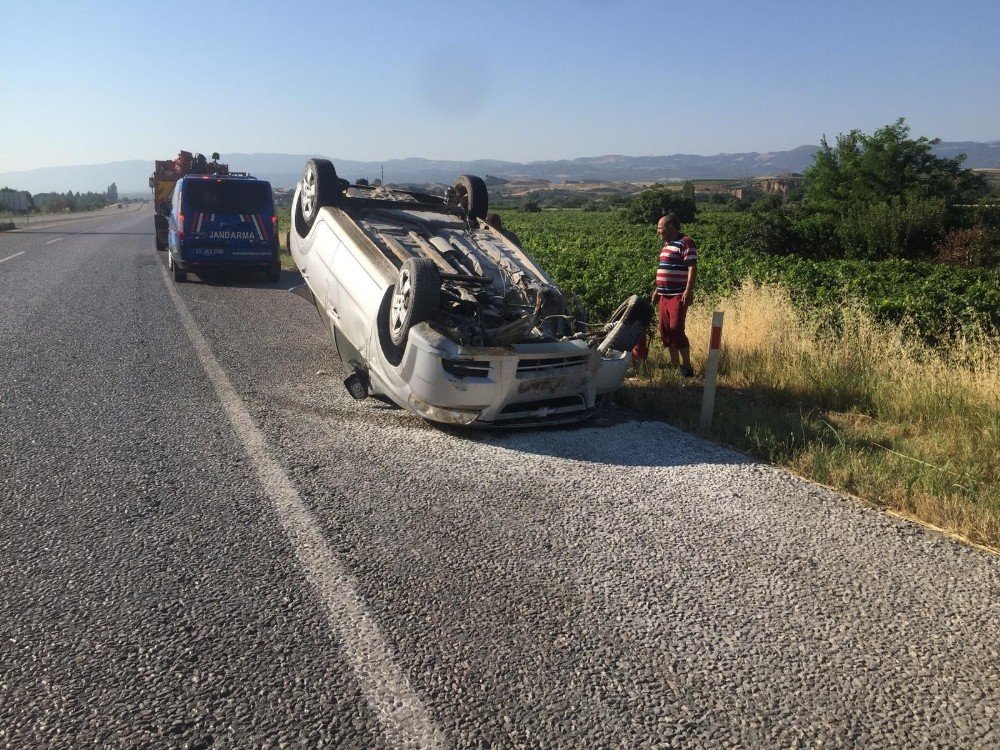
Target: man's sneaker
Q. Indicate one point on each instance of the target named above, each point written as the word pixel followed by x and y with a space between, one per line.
pixel 686 371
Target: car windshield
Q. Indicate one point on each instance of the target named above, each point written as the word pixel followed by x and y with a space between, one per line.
pixel 228 196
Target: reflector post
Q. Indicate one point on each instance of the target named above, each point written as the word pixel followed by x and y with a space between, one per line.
pixel 711 371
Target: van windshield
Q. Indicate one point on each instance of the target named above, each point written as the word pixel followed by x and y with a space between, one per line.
pixel 228 197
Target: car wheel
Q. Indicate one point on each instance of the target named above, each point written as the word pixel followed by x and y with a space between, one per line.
pixel 415 297
pixel 175 270
pixel 472 195
pixel 273 272
pixel 320 186
pixel 627 324
pixel 160 245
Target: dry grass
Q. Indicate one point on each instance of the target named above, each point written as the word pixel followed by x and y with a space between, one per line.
pixel 284 254
pixel 868 409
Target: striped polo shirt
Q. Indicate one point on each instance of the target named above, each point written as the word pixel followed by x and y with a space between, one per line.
pixel 672 271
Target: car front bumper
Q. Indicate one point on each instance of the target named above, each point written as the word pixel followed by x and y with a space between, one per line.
pixel 523 385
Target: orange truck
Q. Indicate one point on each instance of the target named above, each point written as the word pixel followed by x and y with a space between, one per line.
pixel 164 178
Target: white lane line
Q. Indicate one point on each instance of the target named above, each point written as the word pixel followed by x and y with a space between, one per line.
pixel 404 719
pixel 11 257
pixel 55 240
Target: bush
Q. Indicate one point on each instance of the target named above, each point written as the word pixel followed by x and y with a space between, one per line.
pixel 986 213
pixel 816 236
pixel 768 202
pixel 650 205
pixel 769 232
pixel 967 247
pixel 531 207
pixel 754 232
pixel 897 228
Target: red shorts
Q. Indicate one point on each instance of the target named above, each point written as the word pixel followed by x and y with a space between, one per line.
pixel 671 314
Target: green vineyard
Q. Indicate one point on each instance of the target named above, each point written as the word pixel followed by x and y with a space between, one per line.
pixel 602 258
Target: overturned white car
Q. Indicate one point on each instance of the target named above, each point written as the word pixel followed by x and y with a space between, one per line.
pixel 445 315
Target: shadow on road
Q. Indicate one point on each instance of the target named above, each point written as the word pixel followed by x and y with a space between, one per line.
pixel 615 436
pixel 243 278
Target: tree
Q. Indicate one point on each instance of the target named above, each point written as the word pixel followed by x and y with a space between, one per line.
pixel 887 164
pixel 112 193
pixel 886 193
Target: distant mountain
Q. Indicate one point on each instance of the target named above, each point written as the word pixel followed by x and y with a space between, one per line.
pixel 283 170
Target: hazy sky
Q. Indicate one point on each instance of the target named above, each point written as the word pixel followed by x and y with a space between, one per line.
pixel 84 83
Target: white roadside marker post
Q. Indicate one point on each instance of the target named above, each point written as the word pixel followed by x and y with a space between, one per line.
pixel 711 372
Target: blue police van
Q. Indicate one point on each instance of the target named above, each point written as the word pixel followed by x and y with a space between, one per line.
pixel 222 223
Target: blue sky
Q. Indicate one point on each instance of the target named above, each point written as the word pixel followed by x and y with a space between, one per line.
pixel 84 83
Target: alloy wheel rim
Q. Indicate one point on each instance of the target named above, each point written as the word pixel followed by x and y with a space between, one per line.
pixel 401 300
pixel 308 198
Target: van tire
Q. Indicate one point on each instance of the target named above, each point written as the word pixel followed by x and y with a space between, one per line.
pixel 320 187
pixel 178 275
pixel 472 195
pixel 273 273
pixel 415 297
pixel 627 325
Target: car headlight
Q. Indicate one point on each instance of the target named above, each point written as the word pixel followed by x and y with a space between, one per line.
pixel 440 414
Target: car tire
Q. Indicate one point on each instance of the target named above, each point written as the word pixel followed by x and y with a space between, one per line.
pixel 175 271
pixel 627 325
pixel 160 245
pixel 320 187
pixel 472 195
pixel 273 273
pixel 415 297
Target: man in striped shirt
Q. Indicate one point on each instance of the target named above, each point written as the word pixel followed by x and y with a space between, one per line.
pixel 675 277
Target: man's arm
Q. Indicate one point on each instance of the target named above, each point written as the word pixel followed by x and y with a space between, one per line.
pixel 687 297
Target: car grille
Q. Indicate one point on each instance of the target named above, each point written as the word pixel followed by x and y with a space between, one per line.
pixel 552 365
pixel 559 409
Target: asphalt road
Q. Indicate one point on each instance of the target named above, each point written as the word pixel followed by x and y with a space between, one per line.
pixel 204 542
